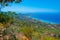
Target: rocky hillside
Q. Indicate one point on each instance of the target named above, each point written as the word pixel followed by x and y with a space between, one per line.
pixel 21 27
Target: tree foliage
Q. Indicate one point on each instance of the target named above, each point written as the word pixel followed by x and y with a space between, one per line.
pixel 5 2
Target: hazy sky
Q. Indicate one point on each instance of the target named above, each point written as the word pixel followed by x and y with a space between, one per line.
pixel 35 6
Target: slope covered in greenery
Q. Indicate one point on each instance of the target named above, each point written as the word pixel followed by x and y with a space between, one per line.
pixel 20 27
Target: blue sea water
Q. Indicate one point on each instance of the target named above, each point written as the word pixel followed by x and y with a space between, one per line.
pixel 47 17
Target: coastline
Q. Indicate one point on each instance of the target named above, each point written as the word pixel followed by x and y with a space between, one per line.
pixel 43 20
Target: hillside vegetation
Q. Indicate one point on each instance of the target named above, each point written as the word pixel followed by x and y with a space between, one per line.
pixel 15 26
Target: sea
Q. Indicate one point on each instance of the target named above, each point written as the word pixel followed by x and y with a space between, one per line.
pixel 53 18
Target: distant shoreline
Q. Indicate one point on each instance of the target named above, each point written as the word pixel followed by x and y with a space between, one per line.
pixel 43 20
